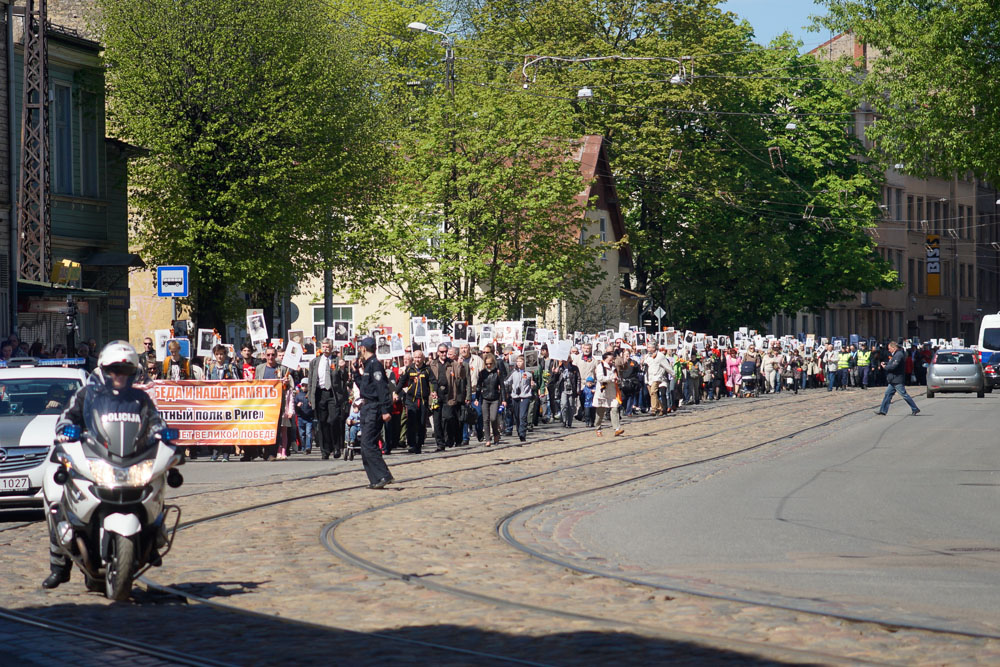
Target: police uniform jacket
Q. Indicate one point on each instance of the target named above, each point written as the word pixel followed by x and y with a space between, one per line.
pixel 374 387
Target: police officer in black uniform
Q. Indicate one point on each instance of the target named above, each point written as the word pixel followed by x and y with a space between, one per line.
pixel 374 412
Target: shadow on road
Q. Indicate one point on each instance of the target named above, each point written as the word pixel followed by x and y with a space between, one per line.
pixel 240 639
pixel 21 515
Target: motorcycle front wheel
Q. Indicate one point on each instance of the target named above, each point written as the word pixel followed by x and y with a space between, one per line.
pixel 121 564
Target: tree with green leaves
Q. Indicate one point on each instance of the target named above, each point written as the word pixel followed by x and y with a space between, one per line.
pixel 264 141
pixel 744 195
pixel 932 80
pixel 487 218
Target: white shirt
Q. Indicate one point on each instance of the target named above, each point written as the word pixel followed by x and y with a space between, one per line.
pixel 323 381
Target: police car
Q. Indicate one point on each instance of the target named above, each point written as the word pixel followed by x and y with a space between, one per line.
pixel 33 393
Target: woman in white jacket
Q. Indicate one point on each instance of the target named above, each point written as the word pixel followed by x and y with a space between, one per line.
pixel 606 392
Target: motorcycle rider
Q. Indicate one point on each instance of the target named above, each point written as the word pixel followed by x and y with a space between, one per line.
pixel 109 386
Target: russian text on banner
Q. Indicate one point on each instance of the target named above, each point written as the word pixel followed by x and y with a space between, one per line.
pixel 220 413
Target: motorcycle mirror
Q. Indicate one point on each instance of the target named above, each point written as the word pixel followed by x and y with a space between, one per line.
pixel 174 478
pixel 60 476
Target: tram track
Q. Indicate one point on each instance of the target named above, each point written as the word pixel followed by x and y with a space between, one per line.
pixel 54 628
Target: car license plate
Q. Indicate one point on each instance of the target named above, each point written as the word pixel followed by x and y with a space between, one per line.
pixel 953 380
pixel 13 484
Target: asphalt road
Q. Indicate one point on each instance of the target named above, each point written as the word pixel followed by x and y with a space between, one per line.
pixel 891 518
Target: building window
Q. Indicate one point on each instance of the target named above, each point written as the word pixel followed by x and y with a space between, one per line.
pixel 89 143
pixel 62 145
pixel 920 276
pixel 961 280
pixel 899 205
pixel 340 313
pixel 909 212
pixel 920 210
pixel 604 235
pixel 910 284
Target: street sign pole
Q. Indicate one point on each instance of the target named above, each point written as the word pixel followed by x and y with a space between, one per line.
pixel 172 282
pixel 659 312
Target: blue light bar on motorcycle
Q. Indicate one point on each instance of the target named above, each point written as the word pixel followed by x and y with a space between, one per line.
pixel 170 434
pixel 71 431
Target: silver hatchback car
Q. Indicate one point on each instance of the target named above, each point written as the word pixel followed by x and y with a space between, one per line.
pixel 956 370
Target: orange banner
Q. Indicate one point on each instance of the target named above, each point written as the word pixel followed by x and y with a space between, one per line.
pixel 220 413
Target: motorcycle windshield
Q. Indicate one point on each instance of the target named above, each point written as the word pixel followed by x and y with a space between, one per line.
pixel 115 421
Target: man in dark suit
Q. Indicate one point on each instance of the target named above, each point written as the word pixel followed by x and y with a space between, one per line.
pixel 322 394
pixel 895 377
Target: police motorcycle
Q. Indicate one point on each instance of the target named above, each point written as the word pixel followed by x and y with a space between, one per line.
pixel 104 489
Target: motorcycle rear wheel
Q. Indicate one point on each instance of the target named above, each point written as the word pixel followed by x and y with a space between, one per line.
pixel 121 564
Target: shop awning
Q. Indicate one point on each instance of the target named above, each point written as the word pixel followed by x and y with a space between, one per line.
pixel 109 258
pixel 40 288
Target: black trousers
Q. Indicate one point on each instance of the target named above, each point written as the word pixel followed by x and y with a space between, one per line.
pixel 392 433
pixel 338 432
pixel 416 426
pixel 324 427
pixel 437 422
pixel 371 456
pixel 452 426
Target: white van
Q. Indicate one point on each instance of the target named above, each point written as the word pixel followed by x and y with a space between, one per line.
pixel 989 337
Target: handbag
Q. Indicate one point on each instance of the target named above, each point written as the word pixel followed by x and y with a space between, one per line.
pixel 469 415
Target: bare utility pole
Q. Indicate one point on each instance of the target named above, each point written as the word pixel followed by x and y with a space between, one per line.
pixel 33 211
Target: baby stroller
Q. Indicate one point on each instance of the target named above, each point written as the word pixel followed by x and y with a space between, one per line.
pixel 352 436
pixel 749 380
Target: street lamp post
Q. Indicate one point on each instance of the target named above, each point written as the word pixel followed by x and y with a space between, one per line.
pixel 449 53
pixel 449 60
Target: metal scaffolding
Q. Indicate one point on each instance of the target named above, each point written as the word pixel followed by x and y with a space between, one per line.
pixel 33 211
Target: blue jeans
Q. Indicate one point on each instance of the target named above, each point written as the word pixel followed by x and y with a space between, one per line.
pixel 829 379
pixel 900 389
pixel 466 429
pixel 306 433
pixel 521 407
pixel 774 377
pixel 352 433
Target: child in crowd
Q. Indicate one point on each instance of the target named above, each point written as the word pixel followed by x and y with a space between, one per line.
pixel 353 423
pixel 305 417
pixel 588 400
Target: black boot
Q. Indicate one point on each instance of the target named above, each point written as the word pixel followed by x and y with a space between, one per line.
pixel 59 574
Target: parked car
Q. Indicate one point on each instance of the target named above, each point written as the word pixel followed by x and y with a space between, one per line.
pixel 32 396
pixel 992 374
pixel 956 370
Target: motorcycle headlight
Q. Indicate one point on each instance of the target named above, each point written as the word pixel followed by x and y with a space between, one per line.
pixel 112 477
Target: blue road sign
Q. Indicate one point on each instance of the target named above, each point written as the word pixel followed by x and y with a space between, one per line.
pixel 172 281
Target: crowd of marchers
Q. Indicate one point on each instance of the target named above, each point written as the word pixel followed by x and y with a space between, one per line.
pixel 454 394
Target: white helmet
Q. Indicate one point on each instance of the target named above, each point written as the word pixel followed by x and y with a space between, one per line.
pixel 120 357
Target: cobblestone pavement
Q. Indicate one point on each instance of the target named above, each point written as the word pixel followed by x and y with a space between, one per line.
pixel 439 525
